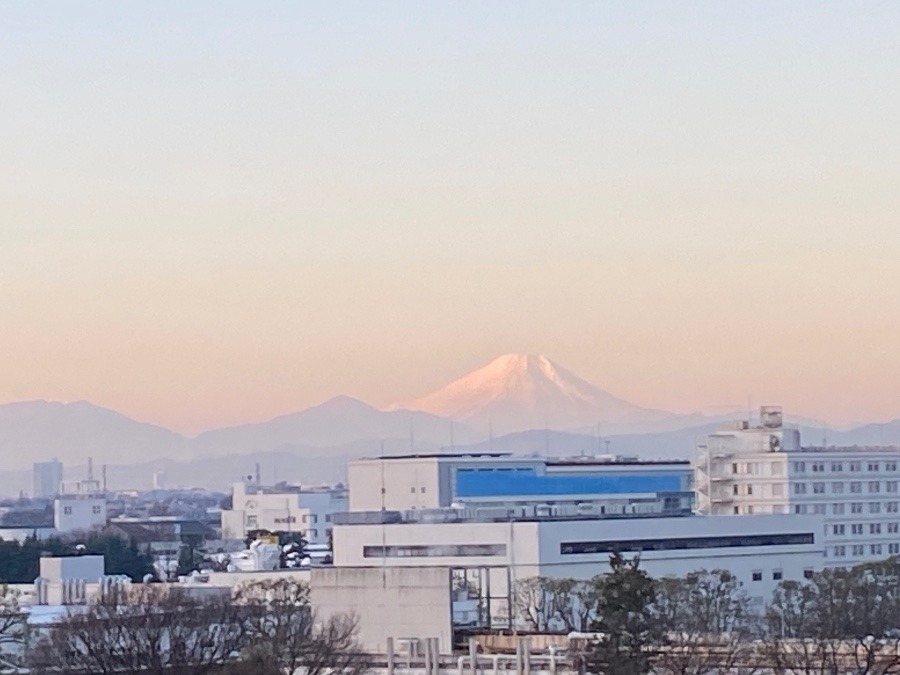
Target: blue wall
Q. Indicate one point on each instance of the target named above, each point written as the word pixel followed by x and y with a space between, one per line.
pixel 525 482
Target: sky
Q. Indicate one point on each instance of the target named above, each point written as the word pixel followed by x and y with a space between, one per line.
pixel 217 212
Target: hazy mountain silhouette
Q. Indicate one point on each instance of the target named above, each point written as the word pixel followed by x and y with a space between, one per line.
pixel 338 421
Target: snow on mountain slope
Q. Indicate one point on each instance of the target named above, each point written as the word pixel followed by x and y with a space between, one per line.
pixel 515 392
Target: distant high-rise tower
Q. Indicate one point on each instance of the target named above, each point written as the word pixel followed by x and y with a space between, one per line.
pixel 159 480
pixel 47 478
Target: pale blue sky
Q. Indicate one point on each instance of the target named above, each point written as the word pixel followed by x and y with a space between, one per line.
pixel 214 212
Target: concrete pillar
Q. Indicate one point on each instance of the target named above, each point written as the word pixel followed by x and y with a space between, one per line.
pixel 520 661
pixel 428 657
pixel 390 656
pixel 526 655
pixel 436 656
pixel 473 655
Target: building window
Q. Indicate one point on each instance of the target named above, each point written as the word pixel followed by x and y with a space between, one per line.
pixel 838 529
pixel 819 488
pixel 873 466
pixel 840 551
pixel 808 573
pixel 800 467
pixel 750 510
pixel 778 490
pixel 837 509
pixel 856 528
pixel 413 489
pixel 874 507
pixel 856 507
pixel 327 517
pixel 855 467
pixel 737 510
pixel 891 507
pixel 435 551
pixel 799 488
pixel 893 528
pixel 837 488
pixel 890 486
pixel 313 533
pixel 856 487
pixel 422 489
pixel 776 468
pixel 67 510
pixel 818 467
pixel 757 575
pixel 800 509
pixel 252 522
pixel 893 549
pixel 875 549
pixel 736 489
pixel 874 528
pixel 837 467
pixel 819 509
pixel 777 575
pixel 734 468
pixel 874 486
pixel 95 510
pixel 858 550
pixel 890 466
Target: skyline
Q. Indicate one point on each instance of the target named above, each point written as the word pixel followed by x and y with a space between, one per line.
pixel 216 214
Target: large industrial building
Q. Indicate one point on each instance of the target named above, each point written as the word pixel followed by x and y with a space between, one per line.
pixel 763 469
pixel 601 485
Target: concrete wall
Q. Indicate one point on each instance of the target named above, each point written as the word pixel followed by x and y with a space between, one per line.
pixel 77 513
pixel 84 568
pixel 412 483
pixel 388 602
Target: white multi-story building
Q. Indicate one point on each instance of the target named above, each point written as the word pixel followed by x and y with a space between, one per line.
pixel 760 551
pixel 763 469
pixel 601 485
pixel 47 478
pixel 79 512
pixel 307 511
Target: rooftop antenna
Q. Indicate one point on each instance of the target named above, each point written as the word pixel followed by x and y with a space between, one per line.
pixel 90 468
pixel 104 477
pixel 257 476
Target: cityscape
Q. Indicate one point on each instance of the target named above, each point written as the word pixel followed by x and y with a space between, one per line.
pixel 459 339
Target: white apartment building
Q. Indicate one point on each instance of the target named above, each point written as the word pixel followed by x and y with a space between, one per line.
pixel 263 508
pixel 763 469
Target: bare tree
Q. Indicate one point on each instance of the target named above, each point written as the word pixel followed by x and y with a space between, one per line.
pixel 283 629
pixel 533 602
pixel 703 625
pixel 12 630
pixel 151 629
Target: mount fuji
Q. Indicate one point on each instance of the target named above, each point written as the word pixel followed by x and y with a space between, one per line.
pixel 516 392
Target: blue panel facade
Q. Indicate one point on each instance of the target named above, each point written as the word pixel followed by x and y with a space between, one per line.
pixel 527 482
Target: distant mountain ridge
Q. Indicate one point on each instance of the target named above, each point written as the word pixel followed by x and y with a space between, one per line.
pixel 518 403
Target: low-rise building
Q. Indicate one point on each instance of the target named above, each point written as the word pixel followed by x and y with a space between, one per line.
pixel 79 512
pixel 287 509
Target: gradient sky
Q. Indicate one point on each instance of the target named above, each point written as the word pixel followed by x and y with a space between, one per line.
pixel 214 212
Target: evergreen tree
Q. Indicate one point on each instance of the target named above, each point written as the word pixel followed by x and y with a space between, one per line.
pixel 624 596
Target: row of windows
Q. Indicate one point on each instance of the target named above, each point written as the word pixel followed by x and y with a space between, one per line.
pixel 841 529
pixel 435 551
pixel 838 467
pixel 855 508
pixel 678 544
pixel 853 487
pixel 858 550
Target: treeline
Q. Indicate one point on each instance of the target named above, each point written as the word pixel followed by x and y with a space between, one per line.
pixel 266 628
pixel 20 561
pixel 840 621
